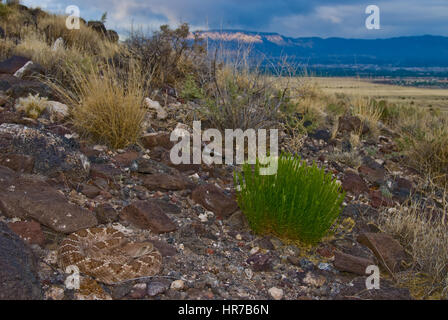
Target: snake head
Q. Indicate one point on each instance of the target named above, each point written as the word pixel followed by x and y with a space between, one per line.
pixel 136 250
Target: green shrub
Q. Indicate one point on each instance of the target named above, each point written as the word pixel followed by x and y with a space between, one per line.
pixel 190 90
pixel 299 202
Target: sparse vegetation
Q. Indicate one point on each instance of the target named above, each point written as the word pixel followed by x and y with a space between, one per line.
pixel 423 229
pixel 423 138
pixel 368 111
pixel 32 106
pixel 104 84
pixel 168 55
pixel 107 107
pixel 298 202
pixel 242 99
pixel 351 159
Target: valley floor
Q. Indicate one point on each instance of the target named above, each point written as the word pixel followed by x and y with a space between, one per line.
pixel 424 97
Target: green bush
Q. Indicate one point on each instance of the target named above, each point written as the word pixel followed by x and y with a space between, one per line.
pixel 190 90
pixel 299 202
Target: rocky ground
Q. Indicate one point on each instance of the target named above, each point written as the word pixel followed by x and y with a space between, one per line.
pixel 53 183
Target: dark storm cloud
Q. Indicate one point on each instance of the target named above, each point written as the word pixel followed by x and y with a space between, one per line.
pixel 290 17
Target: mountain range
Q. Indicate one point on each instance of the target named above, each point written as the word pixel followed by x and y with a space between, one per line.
pixel 425 55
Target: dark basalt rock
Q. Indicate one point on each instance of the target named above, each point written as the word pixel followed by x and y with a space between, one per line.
pixel 11 65
pixel 18 273
pixel 52 154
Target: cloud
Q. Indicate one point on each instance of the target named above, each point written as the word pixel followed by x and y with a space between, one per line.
pixel 325 18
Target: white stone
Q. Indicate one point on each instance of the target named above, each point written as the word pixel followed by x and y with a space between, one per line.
pixel 254 250
pixel 276 293
pixel 19 73
pixel 177 284
pixel 57 111
pixel 194 177
pixel 203 217
pixel 141 286
pixel 58 44
pixel 99 148
pixel 155 105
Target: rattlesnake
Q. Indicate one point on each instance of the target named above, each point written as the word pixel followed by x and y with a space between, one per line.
pixel 106 255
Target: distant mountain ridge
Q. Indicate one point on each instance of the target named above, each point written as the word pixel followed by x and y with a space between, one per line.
pixel 418 54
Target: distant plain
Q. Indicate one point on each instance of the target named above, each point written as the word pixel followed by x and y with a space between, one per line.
pixel 425 97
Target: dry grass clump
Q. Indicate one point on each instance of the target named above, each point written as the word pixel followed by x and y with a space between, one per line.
pixel 106 105
pixel 57 63
pixel 32 33
pixel 424 139
pixel 368 111
pixel 32 106
pixel 60 61
pixel 355 139
pixel 19 23
pixel 84 39
pixel 423 230
pixel 6 48
pixel 15 22
pixel 423 132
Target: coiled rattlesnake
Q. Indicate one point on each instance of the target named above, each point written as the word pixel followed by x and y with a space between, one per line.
pixel 105 254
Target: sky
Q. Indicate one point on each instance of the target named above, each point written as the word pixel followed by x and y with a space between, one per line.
pixel 293 18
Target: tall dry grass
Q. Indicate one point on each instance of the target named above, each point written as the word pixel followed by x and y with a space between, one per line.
pixel 6 48
pixel 368 111
pixel 107 105
pixel 16 22
pixel 423 230
pixel 424 140
pixel 84 39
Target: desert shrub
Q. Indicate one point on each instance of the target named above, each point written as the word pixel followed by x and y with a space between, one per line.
pixel 32 106
pixel 294 140
pixel 298 202
pixel 106 105
pixel 241 98
pixel 169 55
pixel 422 229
